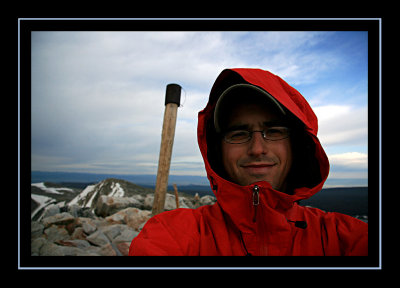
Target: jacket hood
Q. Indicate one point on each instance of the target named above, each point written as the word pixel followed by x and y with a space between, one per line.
pixel 308 178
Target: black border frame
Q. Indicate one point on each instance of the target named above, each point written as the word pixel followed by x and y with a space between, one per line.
pixel 373 26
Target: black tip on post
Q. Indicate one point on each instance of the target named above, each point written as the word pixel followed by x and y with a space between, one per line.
pixel 173 94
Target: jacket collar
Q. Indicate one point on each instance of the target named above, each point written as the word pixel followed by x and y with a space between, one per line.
pixel 247 205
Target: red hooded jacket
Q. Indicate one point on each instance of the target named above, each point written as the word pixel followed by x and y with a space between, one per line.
pixel 281 227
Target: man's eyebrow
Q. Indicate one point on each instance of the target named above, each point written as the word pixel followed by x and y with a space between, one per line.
pixel 247 126
pixel 275 123
pixel 238 127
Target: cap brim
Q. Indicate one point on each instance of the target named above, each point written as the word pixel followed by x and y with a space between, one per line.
pixel 218 106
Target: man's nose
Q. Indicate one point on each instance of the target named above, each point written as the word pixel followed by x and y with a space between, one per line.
pixel 257 144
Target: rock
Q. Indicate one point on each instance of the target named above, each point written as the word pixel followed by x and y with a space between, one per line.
pixel 107 250
pixel 148 202
pixel 51 210
pixel 123 248
pixel 88 228
pixel 98 238
pixel 51 249
pixel 207 200
pixel 36 245
pixel 107 205
pixel 106 227
pixel 74 210
pixel 78 252
pixel 78 234
pixel 88 225
pixel 58 219
pixel 54 233
pixel 36 229
pixel 74 243
pixel 123 241
pixel 139 198
pixel 100 222
pixel 86 212
pixel 132 217
pixel 71 227
pixel 127 235
pixel 170 203
pixel 118 217
pixel 185 203
pixel 112 231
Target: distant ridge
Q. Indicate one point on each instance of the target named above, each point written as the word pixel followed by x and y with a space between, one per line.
pixel 149 180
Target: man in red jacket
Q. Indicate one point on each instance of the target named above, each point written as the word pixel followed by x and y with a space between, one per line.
pixel 258 139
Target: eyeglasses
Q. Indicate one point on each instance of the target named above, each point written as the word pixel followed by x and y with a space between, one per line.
pixel 243 136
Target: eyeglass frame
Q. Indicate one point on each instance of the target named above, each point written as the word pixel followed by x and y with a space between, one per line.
pixel 250 134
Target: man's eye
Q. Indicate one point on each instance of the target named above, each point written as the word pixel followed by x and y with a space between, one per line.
pixel 274 131
pixel 239 134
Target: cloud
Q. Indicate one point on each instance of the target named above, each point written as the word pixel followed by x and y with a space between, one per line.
pixel 353 160
pixel 98 97
pixel 350 165
pixel 343 132
pixel 291 55
pixel 342 125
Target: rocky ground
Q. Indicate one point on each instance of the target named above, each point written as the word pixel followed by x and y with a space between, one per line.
pixel 105 227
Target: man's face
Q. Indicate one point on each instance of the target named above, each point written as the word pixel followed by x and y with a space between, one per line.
pixel 258 159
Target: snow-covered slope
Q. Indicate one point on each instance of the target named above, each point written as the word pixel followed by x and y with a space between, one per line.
pixel 53 190
pixel 81 199
pixel 109 187
pixel 44 194
pixel 42 202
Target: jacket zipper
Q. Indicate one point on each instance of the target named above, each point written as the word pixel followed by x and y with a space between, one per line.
pixel 256 200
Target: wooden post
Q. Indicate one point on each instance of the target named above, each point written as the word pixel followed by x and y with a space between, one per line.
pixel 172 101
pixel 176 196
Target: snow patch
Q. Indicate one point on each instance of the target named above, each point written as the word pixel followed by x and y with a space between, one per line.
pixel 82 195
pixel 89 203
pixel 51 189
pixel 43 201
pixel 116 191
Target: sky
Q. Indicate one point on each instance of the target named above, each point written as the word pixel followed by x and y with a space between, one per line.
pixel 98 97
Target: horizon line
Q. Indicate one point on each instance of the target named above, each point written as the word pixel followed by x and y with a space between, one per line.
pixel 326 185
